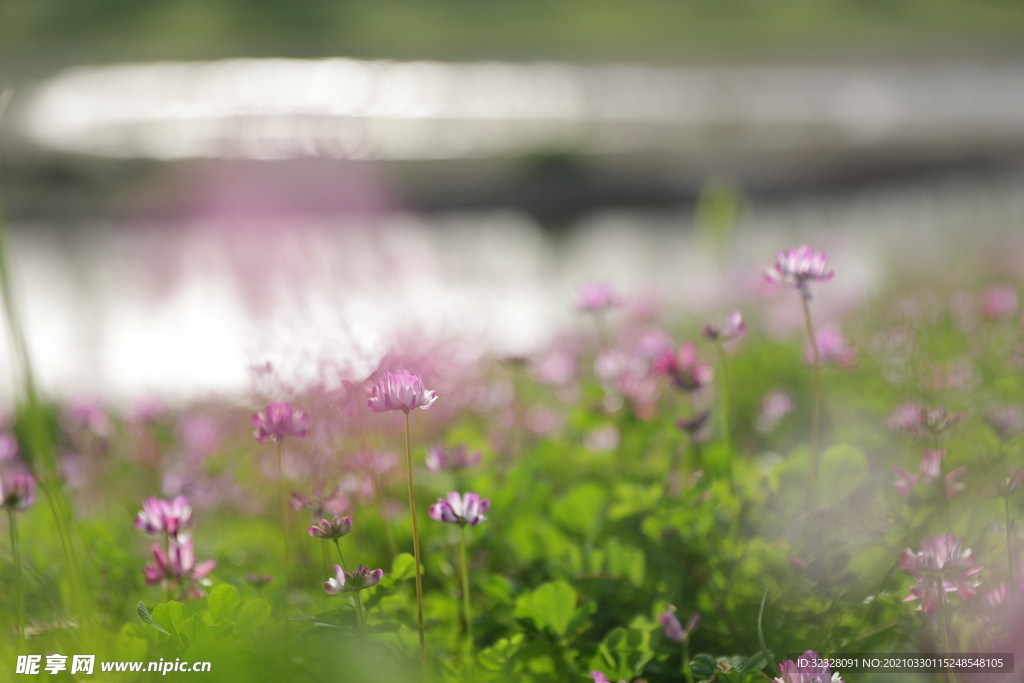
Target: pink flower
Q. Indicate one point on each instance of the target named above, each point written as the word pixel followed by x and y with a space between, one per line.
pixel 943 562
pixel 402 391
pixel 671 627
pixel 998 302
pixel 735 328
pixel 164 516
pixel 684 368
pixel 458 509
pixel 458 458
pixel 930 470
pixel 19 492
pixel 330 530
pixel 177 565
pixel 798 267
pixel 361 578
pixel 278 420
pixel 88 413
pixel 595 297
pixel 832 349
pixel 807 669
pixel 775 406
pixel 8 446
pixel 599 677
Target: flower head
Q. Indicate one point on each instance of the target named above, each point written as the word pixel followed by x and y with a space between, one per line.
pixel 774 407
pixel 685 368
pixel 361 578
pixel 671 627
pixel 457 458
pixel 942 561
pixel 177 566
pixel 998 302
pixel 832 349
pixel 19 492
pixel 734 329
pixel 278 420
pixel 333 529
pixel 798 267
pixel 594 297
pixel 401 391
pixel 809 668
pixel 164 516
pixel 460 509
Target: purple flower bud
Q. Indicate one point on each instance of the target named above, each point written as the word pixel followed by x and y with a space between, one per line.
pixel 361 578
pixel 458 509
pixel 19 492
pixel 333 529
pixel 670 626
pixel 735 328
pixel 278 420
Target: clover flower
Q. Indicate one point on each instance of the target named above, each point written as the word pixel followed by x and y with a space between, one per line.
pixel 164 516
pixel 930 469
pixel 278 420
pixel 355 581
pixel 177 566
pixel 941 562
pixel 734 329
pixel 671 627
pixel 458 458
pixel 594 297
pixel 460 509
pixel 685 369
pixel 793 672
pixel 331 530
pixel 401 391
pixel 798 267
pixel 19 492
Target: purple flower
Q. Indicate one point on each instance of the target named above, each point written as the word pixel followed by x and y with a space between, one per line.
pixel 460 509
pixel 361 578
pixel 599 677
pixel 595 297
pixel 930 470
pixel 793 672
pixel 998 302
pixel 330 530
pixel 943 562
pixel 832 349
pixel 8 446
pixel 278 420
pixel 798 267
pixel 164 516
pixel 401 391
pixel 684 368
pixel 88 413
pixel 775 406
pixel 177 565
pixel 671 627
pixel 457 458
pixel 692 425
pixel 937 420
pixel 19 492
pixel 735 328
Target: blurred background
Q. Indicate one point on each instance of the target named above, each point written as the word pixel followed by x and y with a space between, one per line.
pixel 197 188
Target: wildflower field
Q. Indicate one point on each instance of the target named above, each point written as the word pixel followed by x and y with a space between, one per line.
pixel 646 499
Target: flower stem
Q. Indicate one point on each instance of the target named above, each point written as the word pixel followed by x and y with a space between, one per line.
pixel 416 553
pixel 942 623
pixel 341 556
pixel 360 618
pixel 282 499
pixel 467 614
pixel 816 408
pixel 12 526
pixel 723 392
pixel 686 660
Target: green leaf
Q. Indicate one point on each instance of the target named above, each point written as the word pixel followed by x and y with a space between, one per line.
pixel 552 606
pixel 223 601
pixel 580 510
pixel 147 618
pixel 495 657
pixel 194 631
pixel 131 644
pixel 704 666
pixel 171 615
pixel 404 567
pixel 843 470
pixel 252 617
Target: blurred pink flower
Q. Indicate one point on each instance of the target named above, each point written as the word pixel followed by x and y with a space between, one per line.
pixel 19 492
pixel 798 267
pixel 832 349
pixel 8 446
pixel 401 391
pixel 774 407
pixel 361 578
pixel 603 439
pixel 457 458
pixel 685 369
pixel 1007 422
pixel 930 469
pixel 735 328
pixel 998 302
pixel 460 509
pixel 169 517
pixel 331 530
pixel 671 627
pixel 87 413
pixel 793 672
pixel 594 297
pixel 941 562
pixel 278 420
pixel 177 566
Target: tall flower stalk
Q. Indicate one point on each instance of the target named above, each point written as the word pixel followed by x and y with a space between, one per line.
pixel 18 495
pixel 404 391
pixel 464 510
pixel 734 329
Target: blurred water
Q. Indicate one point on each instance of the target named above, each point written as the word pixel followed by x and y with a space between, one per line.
pixel 187 307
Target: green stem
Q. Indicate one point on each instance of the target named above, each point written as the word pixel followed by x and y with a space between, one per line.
pixel 282 500
pixel 416 553
pixel 723 390
pixel 469 672
pixel 341 556
pixel 360 619
pixel 816 408
pixel 687 672
pixel 942 623
pixel 12 526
